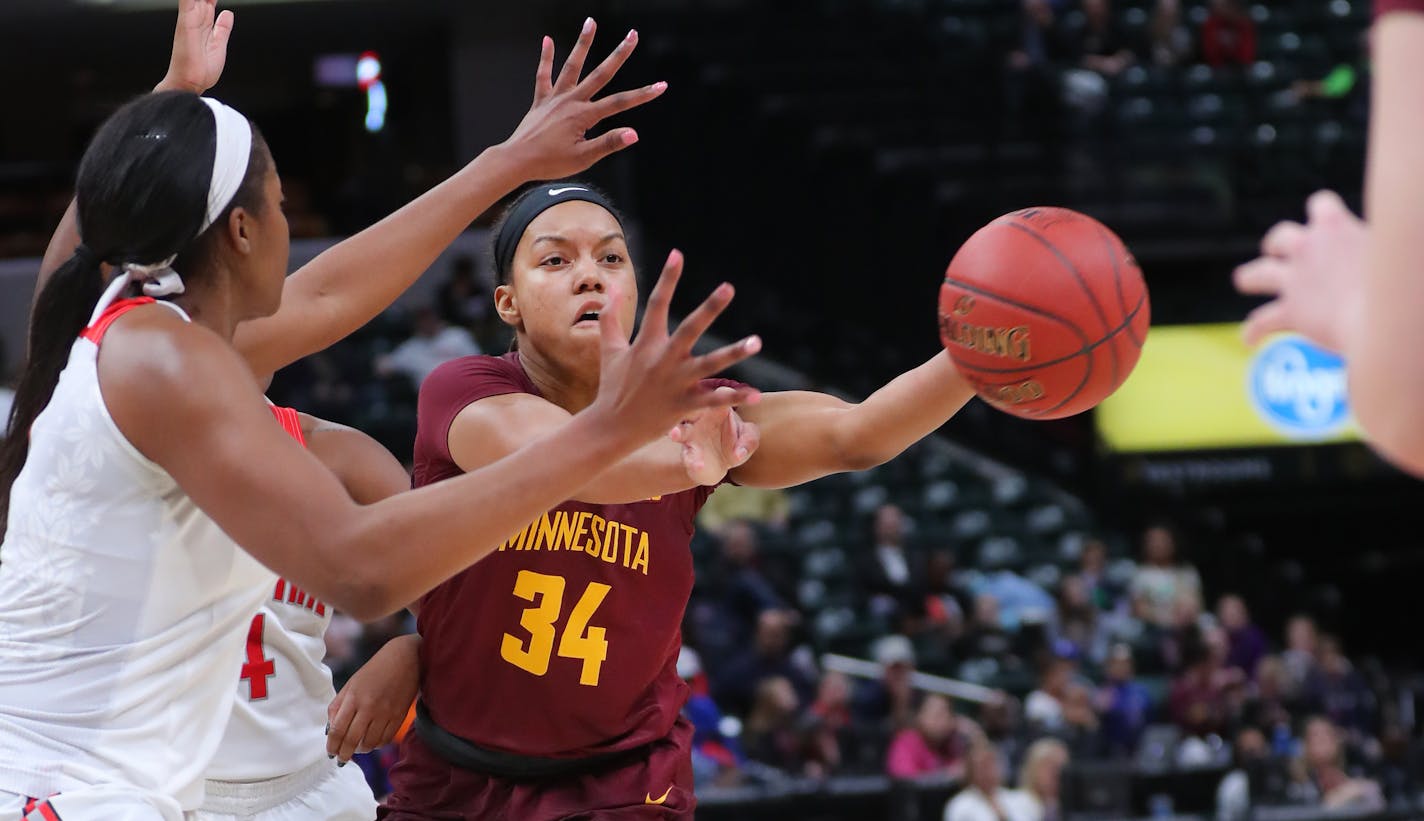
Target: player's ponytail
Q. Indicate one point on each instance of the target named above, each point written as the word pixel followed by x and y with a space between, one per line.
pixel 143 196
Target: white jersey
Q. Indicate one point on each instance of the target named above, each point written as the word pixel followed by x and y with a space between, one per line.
pixel 122 610
pixel 278 723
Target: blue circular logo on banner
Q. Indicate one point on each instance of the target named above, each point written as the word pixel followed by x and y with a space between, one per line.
pixel 1299 389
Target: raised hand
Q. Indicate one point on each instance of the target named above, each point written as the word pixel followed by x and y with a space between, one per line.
pixel 649 386
pixel 1313 271
pixel 552 140
pixel 199 47
pixel 714 442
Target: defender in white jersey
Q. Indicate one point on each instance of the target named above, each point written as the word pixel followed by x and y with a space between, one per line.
pixel 271 764
pixel 129 483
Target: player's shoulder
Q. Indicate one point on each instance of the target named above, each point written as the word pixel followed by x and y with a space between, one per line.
pixel 464 370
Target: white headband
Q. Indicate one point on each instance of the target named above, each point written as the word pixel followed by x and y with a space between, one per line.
pixel 234 150
pixel 230 161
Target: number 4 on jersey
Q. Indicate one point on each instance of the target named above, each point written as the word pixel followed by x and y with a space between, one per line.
pixel 257 669
pixel 579 640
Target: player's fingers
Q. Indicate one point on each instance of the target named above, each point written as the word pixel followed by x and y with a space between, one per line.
pixel 544 75
pixel 695 324
pixel 222 29
pixel 724 358
pixel 573 67
pixel 1324 207
pixel 340 725
pixel 612 337
pixel 748 440
pixel 740 396
pixel 1283 239
pixel 655 317
pixel 604 145
pixel 1264 321
pixel 351 740
pixel 604 71
pixel 1264 275
pixel 625 100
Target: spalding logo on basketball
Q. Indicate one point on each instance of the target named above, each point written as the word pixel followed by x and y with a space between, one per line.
pixel 1044 311
pixel 1299 389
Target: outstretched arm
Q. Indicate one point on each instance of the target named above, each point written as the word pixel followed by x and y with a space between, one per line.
pixel 807 435
pixel 351 283
pixel 199 53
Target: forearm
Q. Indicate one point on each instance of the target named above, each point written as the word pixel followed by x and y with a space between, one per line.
pixel 1386 385
pixel 656 469
pixel 454 523
pixel 805 435
pixel 909 408
pixel 349 284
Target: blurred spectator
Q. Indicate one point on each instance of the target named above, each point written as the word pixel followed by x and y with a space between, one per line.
pixel 716 758
pixel 746 591
pixel 341 637
pixel 1044 707
pixel 1266 708
pixel 1168 41
pixel 1319 775
pixel 1238 790
pixel 1041 778
pixel 984 797
pixel 986 637
pixel 769 656
pixel 1124 704
pixel 1300 656
pixel 1200 696
pixel 1018 600
pixel 1080 723
pixel 1104 48
pixel 767 507
pixel 889 702
pixel 1077 620
pixel 1228 35
pixel 934 745
pixel 1092 571
pixel 888 575
pixel 832 712
pixel 999 722
pixel 1344 696
pixel 772 735
pixel 1248 642
pixel 464 301
pixel 1041 40
pixel 1160 580
pixel 947 602
pixel 433 343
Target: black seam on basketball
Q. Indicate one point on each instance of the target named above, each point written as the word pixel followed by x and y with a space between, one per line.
pixel 1117 282
pixel 1072 269
pixel 982 291
pixel 1088 347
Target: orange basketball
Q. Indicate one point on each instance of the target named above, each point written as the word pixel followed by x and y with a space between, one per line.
pixel 1044 311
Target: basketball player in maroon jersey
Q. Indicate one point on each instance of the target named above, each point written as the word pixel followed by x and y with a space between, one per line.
pixel 548 682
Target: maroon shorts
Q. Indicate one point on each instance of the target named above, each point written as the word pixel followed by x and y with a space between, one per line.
pixel 426 787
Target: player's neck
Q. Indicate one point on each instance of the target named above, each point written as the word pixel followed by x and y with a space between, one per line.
pixel 212 306
pixel 572 389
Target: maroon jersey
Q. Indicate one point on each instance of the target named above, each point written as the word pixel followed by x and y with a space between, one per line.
pixel 563 642
pixel 1383 7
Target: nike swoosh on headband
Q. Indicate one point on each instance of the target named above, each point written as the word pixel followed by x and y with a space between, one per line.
pixel 554 192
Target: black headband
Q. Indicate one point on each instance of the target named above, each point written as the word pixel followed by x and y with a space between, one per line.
pixel 529 207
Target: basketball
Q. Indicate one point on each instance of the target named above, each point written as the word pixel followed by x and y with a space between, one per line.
pixel 1044 311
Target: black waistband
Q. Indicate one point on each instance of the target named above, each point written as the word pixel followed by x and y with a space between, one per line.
pixel 466 754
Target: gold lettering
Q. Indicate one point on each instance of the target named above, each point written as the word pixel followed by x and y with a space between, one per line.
pixel 564 523
pixel 610 535
pixel 1008 342
pixel 1018 394
pixel 580 531
pixel 641 560
pixel 628 543
pixel 596 532
pixel 546 534
pixel 610 551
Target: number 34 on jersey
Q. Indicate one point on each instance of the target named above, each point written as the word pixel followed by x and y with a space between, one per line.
pixel 578 640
